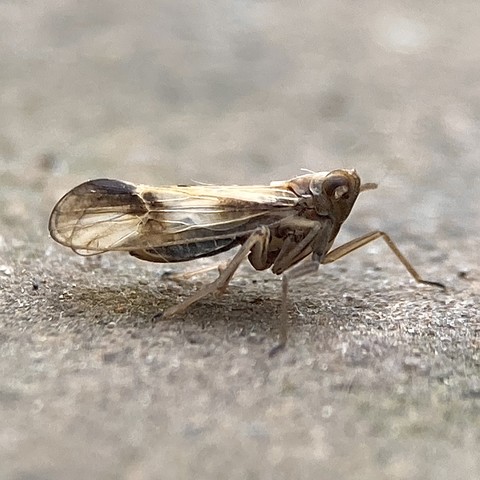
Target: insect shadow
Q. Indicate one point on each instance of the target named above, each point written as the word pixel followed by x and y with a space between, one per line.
pixel 239 313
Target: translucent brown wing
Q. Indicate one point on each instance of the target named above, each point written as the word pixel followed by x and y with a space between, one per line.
pixel 104 214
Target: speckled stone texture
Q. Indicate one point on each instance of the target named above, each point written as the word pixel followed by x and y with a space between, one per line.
pixel 380 378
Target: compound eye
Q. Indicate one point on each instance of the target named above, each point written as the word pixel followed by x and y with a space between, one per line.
pixel 336 186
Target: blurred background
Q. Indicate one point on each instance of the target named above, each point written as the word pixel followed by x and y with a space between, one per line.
pixel 381 378
pixel 239 92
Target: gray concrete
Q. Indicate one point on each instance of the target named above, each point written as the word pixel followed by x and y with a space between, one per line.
pixel 381 376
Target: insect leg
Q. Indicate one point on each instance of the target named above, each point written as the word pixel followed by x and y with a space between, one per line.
pixel 178 277
pixel 221 283
pixel 301 270
pixel 291 250
pixel 359 242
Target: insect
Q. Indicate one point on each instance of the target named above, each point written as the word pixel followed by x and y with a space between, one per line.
pixel 276 226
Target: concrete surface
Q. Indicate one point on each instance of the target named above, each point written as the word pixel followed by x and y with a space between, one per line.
pixel 381 376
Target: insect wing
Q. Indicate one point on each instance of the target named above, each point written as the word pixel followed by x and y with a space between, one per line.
pixel 97 216
pixel 102 215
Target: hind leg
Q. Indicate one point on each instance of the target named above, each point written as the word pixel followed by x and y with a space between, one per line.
pixel 257 242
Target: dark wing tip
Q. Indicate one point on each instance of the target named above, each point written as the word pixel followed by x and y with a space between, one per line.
pixel 90 197
pixel 106 186
pixel 99 193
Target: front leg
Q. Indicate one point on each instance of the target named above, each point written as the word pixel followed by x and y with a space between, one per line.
pixel 259 238
pixel 359 242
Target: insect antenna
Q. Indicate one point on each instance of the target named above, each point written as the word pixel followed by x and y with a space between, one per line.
pixel 368 186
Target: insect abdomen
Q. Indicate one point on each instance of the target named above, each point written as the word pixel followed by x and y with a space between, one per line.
pixel 185 252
